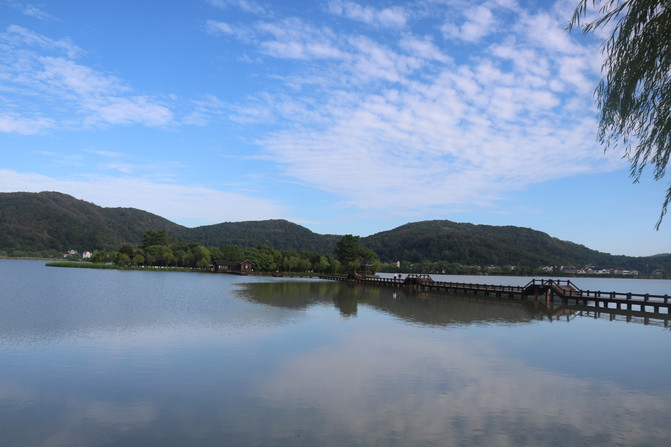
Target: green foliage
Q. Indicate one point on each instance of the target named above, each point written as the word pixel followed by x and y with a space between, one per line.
pixel 484 245
pixel 46 224
pixel 101 257
pixel 347 249
pixel 352 256
pixel 151 237
pixel 634 97
pixel 38 222
pixel 280 234
pixel 230 252
pixel 122 260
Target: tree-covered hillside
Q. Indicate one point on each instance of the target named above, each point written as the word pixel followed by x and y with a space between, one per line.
pixel 277 233
pixel 465 243
pixel 477 244
pixel 36 222
pixel 33 223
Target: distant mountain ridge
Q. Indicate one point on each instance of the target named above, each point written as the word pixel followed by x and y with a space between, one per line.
pixel 480 244
pixel 37 222
pixel 56 221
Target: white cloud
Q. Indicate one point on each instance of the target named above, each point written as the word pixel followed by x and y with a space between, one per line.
pixel 470 387
pixel 403 122
pixel 37 13
pixel 421 127
pixel 215 28
pixel 17 36
pixel 45 83
pixel 127 110
pixel 178 203
pixel 295 39
pixel 393 17
pixel 479 22
pixel 424 49
pixel 248 6
pixel 10 123
pixel 64 75
pixel 107 154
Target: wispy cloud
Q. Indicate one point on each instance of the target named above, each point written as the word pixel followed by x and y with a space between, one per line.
pixel 28 10
pixel 413 123
pixel 479 22
pixel 106 154
pixel 392 17
pixel 34 11
pixel 44 74
pixel 248 6
pixel 215 28
pixel 10 122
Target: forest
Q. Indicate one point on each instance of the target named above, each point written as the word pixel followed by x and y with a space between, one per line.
pixel 160 249
pixel 48 224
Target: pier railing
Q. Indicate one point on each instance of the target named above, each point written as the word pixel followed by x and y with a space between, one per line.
pixel 565 290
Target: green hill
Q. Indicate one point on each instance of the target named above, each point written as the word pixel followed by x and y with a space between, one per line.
pixel 465 243
pixel 32 223
pixel 280 234
pixel 36 222
pixel 479 244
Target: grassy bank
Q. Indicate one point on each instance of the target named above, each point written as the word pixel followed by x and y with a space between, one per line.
pixel 91 265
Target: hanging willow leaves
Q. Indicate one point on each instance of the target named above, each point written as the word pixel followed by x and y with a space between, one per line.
pixel 634 97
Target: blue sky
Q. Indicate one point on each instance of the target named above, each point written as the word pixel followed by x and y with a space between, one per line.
pixel 342 116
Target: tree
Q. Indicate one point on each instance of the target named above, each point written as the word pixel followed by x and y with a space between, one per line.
pixel 151 237
pixel 127 250
pixel 634 97
pixel 200 256
pixel 322 264
pixel 347 249
pixel 231 252
pixel 122 260
pixel 100 257
pixel 351 255
pixel 159 255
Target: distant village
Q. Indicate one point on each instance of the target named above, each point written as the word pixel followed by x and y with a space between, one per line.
pixel 75 253
pixel 589 270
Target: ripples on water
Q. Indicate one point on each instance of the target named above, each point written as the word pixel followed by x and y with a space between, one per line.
pixel 99 357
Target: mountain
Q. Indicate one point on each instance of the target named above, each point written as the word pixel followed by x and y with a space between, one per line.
pixel 34 222
pixel 479 244
pixel 466 243
pixel 39 222
pixel 277 233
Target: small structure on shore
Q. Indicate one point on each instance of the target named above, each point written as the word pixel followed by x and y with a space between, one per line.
pixel 244 267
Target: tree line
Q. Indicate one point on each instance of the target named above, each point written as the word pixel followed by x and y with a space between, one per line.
pixel 159 249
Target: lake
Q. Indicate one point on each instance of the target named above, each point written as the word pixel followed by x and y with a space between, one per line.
pixel 140 358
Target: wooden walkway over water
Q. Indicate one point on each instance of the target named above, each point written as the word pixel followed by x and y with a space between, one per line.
pixel 547 289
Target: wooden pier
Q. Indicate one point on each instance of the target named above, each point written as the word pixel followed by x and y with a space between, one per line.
pixel 546 289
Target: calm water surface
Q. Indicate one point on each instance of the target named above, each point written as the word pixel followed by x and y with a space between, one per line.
pixel 111 358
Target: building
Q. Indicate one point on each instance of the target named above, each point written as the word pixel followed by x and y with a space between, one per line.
pixel 240 268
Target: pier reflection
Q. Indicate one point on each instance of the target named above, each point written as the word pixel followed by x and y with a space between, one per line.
pixel 431 308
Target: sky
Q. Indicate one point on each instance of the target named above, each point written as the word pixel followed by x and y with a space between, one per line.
pixel 346 117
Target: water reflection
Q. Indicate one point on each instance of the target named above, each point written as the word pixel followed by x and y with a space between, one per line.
pixel 210 360
pixel 42 304
pixel 410 390
pixel 429 308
